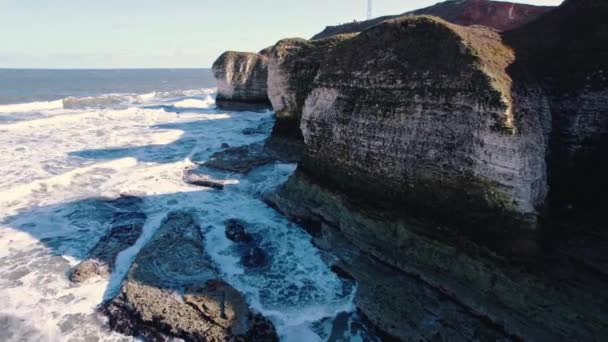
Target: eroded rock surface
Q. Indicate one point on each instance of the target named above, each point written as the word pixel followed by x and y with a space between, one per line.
pixel 544 299
pixel 423 115
pixel 173 290
pixel 292 68
pixel 242 81
pixel 245 158
pixel 126 227
pixel 565 51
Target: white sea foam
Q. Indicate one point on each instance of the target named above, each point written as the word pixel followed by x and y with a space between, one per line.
pixel 54 171
pixel 208 102
pixel 113 101
pixel 31 106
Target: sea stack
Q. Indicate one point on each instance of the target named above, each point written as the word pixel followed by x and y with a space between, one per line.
pixel 241 81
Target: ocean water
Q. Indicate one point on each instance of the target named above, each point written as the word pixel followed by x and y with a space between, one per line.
pixel 71 139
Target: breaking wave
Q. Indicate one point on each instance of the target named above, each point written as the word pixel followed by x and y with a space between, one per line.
pixel 188 98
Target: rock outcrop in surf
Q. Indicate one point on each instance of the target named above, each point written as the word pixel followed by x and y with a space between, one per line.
pixel 241 78
pixel 173 289
pixel 126 227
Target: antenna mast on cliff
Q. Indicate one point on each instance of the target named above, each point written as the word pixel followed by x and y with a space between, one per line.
pixel 369 9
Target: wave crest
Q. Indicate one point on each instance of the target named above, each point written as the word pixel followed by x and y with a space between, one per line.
pixel 113 101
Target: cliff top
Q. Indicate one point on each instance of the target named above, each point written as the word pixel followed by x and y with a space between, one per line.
pixel 499 15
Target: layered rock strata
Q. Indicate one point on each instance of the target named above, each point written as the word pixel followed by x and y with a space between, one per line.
pixel 241 81
pixel 549 298
pixel 566 51
pixel 173 290
pixel 422 116
pixel 293 65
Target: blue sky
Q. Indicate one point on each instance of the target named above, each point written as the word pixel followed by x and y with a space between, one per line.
pixel 165 33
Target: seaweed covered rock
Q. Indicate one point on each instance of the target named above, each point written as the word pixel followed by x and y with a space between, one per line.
pixel 547 298
pixel 173 290
pixel 241 81
pixel 423 116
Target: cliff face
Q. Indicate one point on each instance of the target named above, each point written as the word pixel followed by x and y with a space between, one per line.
pixel 423 113
pixel 293 65
pixel 495 14
pixel 241 79
pixel 432 147
pixel 566 51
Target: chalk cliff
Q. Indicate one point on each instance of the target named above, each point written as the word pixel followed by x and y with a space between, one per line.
pixel 293 65
pixel 422 115
pixel 241 80
pixel 447 152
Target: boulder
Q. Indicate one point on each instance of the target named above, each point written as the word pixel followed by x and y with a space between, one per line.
pixel 195 178
pixel 173 290
pixel 241 159
pixel 245 158
pixel 253 256
pixel 241 80
pixel 236 232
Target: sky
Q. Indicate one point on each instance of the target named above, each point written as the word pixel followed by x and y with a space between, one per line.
pixel 166 33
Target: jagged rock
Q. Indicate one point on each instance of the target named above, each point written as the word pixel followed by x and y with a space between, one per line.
pixel 194 178
pixel 495 14
pixel 292 67
pixel 245 158
pixel 439 128
pixel 252 255
pixel 235 231
pixel 127 227
pixel 241 159
pixel 88 269
pixel 241 79
pixel 173 290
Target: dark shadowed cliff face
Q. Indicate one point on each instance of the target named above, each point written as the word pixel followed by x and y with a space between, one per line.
pixel 496 14
pixel 293 65
pixel 241 79
pixel 422 115
pixel 567 50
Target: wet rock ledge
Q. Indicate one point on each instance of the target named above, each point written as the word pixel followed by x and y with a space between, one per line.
pixel 173 291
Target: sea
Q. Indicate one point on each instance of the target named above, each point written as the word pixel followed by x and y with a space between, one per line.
pixel 72 139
